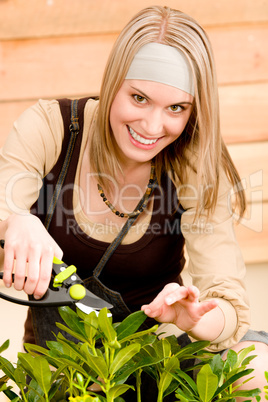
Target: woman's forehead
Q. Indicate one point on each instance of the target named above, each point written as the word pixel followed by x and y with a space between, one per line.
pixel 156 90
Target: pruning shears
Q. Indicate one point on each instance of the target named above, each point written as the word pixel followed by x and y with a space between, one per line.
pixel 65 288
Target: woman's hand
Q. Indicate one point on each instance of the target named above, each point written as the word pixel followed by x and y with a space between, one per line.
pixel 28 242
pixel 179 305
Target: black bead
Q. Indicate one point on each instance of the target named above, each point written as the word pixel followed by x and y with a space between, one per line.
pixel 102 194
pixel 117 213
pixel 104 199
pixel 122 215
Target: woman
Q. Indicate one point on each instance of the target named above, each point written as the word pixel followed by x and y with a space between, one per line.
pixel 157 118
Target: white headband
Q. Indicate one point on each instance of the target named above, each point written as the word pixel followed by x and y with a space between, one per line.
pixel 164 64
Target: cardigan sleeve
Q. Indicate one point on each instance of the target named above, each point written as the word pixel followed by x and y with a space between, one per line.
pixel 31 150
pixel 215 260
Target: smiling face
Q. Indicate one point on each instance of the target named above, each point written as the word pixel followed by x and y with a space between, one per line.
pixel 146 117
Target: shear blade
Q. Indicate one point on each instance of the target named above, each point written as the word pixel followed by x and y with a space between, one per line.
pixel 88 310
pixel 95 302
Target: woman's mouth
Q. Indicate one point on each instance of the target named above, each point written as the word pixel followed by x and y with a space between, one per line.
pixel 140 139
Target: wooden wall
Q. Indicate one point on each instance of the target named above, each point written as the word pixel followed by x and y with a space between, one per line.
pixel 58 48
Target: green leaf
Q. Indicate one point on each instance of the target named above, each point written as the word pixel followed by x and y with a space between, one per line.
pixel 73 321
pixel 166 377
pixel 247 393
pixel 216 365
pixel 123 356
pixel 184 397
pixel 231 380
pixel 207 383
pixel 172 364
pixel 32 348
pixel 191 348
pixel 140 360
pixel 232 358
pixel 139 334
pixel 165 380
pixel 35 393
pixel 118 390
pixel 243 353
pixel 248 359
pixel 162 348
pixel 130 324
pixel 20 377
pixel 82 338
pixel 189 384
pixel 105 325
pixel 98 365
pixel 7 368
pixel 56 388
pixel 38 369
pixel 91 325
pixel 12 396
pixel 4 346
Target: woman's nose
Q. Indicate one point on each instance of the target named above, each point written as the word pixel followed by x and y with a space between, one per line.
pixel 153 123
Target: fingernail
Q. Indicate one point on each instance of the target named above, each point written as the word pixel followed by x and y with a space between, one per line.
pixel 8 285
pixel 37 297
pixel 169 300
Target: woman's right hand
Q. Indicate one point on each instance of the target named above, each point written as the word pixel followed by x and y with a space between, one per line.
pixel 29 244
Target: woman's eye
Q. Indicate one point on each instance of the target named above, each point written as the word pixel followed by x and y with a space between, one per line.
pixel 139 98
pixel 176 108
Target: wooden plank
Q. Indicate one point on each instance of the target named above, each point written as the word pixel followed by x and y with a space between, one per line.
pixel 53 67
pixel 251 162
pixel 31 18
pixel 252 234
pixel 62 66
pixel 241 53
pixel 244 116
pixel 243 111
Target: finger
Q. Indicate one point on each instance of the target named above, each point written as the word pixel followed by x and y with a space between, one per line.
pixel 44 273
pixel 8 265
pixel 33 270
pixel 193 294
pixel 207 305
pixel 58 253
pixel 159 300
pixel 177 295
pixel 20 269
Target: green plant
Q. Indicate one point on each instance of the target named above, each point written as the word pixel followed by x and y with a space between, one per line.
pixel 266 386
pixel 216 380
pixel 108 354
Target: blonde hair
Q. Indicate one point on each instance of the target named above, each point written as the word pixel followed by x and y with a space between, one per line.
pixel 202 132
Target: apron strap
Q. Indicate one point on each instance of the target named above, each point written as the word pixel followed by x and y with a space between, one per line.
pixel 74 131
pixel 113 246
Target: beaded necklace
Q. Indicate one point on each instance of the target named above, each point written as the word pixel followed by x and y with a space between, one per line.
pixel 141 208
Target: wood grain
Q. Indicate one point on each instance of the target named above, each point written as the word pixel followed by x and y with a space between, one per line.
pixel 252 165
pixel 20 19
pixel 74 65
pixel 252 234
pixel 244 116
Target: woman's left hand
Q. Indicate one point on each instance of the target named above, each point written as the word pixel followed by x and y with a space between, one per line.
pixel 179 305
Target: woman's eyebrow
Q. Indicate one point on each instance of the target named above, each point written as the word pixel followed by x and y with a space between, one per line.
pixel 143 94
pixel 147 97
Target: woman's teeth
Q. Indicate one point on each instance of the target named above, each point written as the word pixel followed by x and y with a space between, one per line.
pixel 140 139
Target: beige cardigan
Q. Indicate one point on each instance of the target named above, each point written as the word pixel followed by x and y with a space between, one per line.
pixel 215 261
